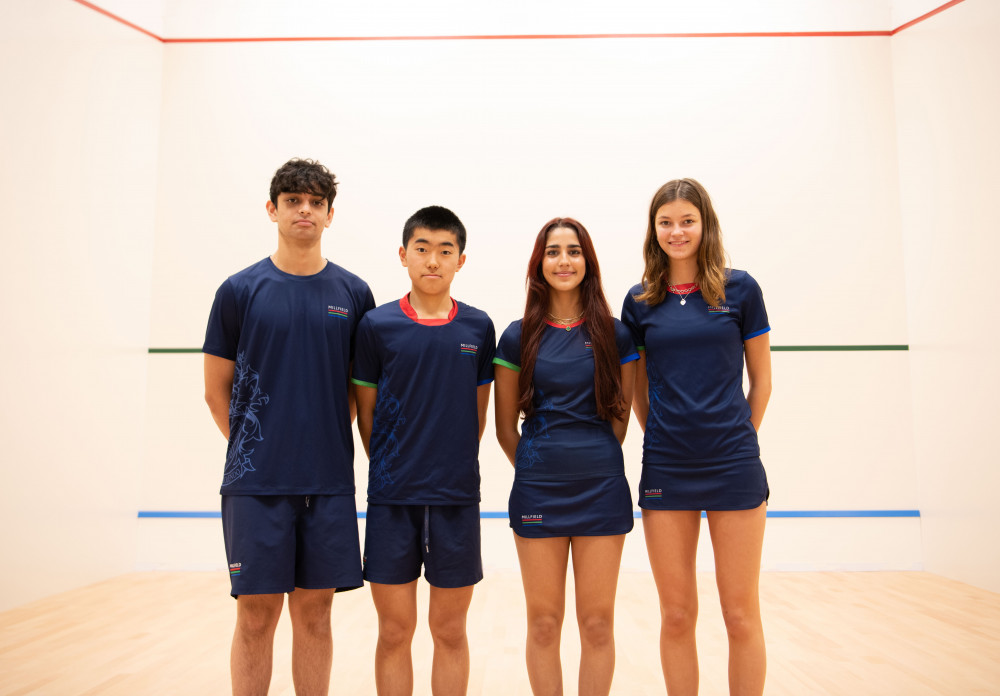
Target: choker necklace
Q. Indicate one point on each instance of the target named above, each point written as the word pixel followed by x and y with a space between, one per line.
pixel 676 291
pixel 566 322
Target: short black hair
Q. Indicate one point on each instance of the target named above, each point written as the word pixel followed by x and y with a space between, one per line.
pixel 434 217
pixel 304 176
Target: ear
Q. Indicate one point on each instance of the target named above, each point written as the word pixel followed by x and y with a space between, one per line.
pixel 329 217
pixel 402 256
pixel 272 212
pixel 461 262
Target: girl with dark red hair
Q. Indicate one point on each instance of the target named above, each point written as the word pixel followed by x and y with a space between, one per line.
pixel 568 367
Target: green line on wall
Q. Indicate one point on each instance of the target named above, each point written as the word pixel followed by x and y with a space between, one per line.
pixel 837 348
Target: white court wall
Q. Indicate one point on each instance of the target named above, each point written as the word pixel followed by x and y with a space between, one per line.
pixel 79 123
pixel 510 133
pixel 948 105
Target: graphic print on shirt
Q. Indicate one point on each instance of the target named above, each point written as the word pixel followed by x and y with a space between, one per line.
pixel 384 443
pixel 246 385
pixel 534 428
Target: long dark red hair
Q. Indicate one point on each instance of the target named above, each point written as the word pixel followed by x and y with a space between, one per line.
pixel 598 323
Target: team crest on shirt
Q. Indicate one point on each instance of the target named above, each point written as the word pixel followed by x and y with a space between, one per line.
pixel 234 569
pixel 531 520
pixel 335 311
pixel 587 345
pixel 653 494
pixel 468 349
pixel 719 310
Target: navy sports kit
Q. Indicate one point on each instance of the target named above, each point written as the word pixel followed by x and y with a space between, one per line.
pixel 292 339
pixel 569 474
pixel 424 447
pixel 700 449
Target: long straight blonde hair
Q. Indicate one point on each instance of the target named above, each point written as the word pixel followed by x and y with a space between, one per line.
pixel 712 274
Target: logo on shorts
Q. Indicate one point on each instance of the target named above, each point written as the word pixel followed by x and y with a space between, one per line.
pixel 531 520
pixel 718 310
pixel 234 569
pixel 653 494
pixel 468 349
pixel 335 311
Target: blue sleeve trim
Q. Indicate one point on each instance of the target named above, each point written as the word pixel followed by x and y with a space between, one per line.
pixel 755 334
pixel 485 382
pixel 630 358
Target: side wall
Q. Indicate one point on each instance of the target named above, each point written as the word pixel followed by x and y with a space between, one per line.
pixel 948 105
pixel 80 121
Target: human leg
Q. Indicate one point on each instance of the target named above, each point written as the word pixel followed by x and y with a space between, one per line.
pixel 596 561
pixel 312 640
pixel 449 607
pixel 543 574
pixel 396 606
pixel 737 540
pixel 672 544
pixel 253 641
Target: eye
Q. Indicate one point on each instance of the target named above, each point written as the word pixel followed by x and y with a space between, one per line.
pixel 575 252
pixel 446 252
pixel 552 252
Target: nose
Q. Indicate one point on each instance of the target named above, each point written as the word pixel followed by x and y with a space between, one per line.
pixel 432 260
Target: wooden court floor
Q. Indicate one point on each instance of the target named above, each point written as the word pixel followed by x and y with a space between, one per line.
pixel 855 634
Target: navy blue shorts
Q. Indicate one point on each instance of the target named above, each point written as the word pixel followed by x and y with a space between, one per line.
pixel 443 538
pixel 733 485
pixel 583 507
pixel 276 543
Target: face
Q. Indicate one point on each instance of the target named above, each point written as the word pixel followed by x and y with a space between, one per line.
pixel 301 217
pixel 563 265
pixel 678 230
pixel 431 257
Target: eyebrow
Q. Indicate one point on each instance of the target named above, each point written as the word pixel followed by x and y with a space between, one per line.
pixel 559 246
pixel 421 240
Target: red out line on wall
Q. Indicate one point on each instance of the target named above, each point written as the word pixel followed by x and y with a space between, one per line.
pixel 494 37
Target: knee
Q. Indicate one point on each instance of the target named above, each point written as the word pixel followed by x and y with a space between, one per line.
pixel 544 629
pixel 742 623
pixel 395 633
pixel 597 630
pixel 256 618
pixel 449 633
pixel 677 620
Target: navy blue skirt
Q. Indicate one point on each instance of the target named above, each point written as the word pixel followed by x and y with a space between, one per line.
pixel 733 485
pixel 580 507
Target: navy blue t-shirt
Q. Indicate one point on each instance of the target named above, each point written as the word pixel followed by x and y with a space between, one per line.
pixel 694 361
pixel 564 438
pixel 424 447
pixel 291 338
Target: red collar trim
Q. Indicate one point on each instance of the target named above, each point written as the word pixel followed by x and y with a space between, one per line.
pixel 682 289
pixel 564 326
pixel 408 310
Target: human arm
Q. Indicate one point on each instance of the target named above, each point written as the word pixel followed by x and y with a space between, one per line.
pixel 757 353
pixel 620 426
pixel 219 389
pixel 352 399
pixel 482 404
pixel 365 399
pixel 640 393
pixel 506 411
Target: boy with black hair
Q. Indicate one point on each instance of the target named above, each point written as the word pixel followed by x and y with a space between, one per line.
pixel 277 367
pixel 423 372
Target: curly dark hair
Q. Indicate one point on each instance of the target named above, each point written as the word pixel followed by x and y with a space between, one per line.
pixel 304 176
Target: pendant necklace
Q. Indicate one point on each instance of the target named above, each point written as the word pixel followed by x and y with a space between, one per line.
pixel 683 295
pixel 566 322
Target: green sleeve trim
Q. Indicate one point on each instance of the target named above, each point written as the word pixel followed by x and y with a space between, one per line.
pixel 510 366
pixel 361 383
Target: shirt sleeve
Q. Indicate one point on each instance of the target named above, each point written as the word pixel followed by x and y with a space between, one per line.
pixel 509 348
pixel 630 318
pixel 486 353
pixel 367 365
pixel 222 337
pixel 365 304
pixel 753 314
pixel 626 346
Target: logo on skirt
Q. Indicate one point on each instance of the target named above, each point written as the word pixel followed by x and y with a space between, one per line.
pixel 531 519
pixel 653 494
pixel 234 569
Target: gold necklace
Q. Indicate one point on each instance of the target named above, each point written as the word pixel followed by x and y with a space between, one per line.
pixel 566 322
